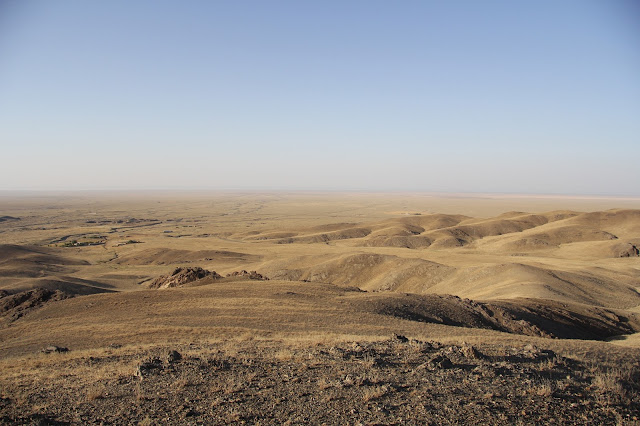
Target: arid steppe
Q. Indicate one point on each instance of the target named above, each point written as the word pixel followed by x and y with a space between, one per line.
pixel 309 307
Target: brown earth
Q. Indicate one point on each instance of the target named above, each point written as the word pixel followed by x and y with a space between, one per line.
pixel 391 381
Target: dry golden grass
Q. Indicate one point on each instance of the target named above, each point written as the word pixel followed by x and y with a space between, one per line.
pixel 543 388
pixel 317 248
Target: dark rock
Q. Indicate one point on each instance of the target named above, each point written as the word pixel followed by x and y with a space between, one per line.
pixel 42 420
pixel 173 356
pixel 189 412
pixel 471 352
pixel 627 250
pixel 401 338
pixel 532 351
pixel 54 349
pixel 441 361
pixel 14 306
pixel 252 275
pixel 148 366
pixel 182 276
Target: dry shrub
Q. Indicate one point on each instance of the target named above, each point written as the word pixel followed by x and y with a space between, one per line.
pixel 348 381
pixel 549 364
pixel 544 389
pixel 94 394
pixel 228 386
pixel 609 380
pixel 234 415
pixel 369 360
pixel 181 383
pixel 371 394
pixel 138 392
pixel 323 383
pixel 610 384
pixel 328 398
pixel 371 379
pixel 284 355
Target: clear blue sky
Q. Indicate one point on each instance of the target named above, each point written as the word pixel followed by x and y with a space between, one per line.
pixel 479 96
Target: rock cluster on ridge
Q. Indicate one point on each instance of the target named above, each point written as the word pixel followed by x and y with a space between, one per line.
pixel 182 276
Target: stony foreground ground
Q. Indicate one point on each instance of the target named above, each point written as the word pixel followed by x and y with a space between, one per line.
pixel 394 381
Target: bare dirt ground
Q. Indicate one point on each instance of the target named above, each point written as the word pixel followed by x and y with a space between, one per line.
pixel 318 308
pixel 391 381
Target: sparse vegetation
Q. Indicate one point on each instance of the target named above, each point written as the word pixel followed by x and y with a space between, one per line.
pixel 128 242
pixel 374 393
pixel 338 388
pixel 354 325
pixel 76 243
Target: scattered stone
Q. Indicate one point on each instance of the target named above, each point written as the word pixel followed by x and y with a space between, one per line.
pixel 432 387
pixel 401 338
pixel 252 275
pixel 441 362
pixel 470 351
pixel 534 352
pixel 146 367
pixel 42 420
pixel 189 412
pixel 54 349
pixel 173 356
pixel 546 354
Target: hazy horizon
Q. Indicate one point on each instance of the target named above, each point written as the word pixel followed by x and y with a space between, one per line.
pixel 463 97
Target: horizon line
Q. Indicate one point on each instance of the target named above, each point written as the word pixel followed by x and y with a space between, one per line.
pixel 322 191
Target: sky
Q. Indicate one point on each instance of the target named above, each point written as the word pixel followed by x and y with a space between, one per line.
pixel 449 96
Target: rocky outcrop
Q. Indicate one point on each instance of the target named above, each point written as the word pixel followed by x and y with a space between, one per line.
pixel 252 275
pixel 182 276
pixel 626 250
pixel 53 349
pixel 14 306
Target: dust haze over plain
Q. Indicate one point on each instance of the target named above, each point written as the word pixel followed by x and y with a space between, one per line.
pixel 526 97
